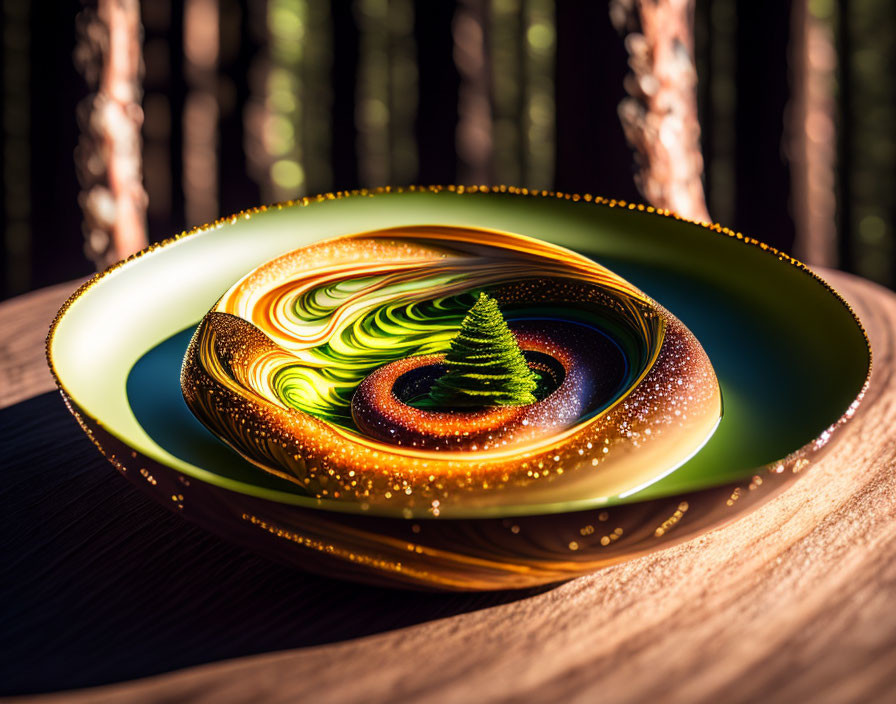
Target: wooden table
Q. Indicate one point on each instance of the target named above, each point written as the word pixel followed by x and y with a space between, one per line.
pixel 796 602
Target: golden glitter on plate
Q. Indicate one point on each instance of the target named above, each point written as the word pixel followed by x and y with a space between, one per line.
pixel 791 358
pixel 317 367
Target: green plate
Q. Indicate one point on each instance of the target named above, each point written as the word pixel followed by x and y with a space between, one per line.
pixel 791 358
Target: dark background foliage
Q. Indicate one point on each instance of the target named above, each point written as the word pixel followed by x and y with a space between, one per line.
pixel 744 88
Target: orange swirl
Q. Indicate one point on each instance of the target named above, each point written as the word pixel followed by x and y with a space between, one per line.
pixel 324 314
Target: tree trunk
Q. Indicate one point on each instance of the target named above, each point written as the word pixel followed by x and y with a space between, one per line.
pixel 660 116
pixel 108 156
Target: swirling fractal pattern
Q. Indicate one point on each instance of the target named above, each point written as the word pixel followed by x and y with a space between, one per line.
pixel 319 367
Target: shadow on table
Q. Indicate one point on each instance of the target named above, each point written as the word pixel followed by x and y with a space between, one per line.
pixel 99 584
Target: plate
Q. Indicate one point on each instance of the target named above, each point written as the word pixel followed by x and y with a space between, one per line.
pixel 791 358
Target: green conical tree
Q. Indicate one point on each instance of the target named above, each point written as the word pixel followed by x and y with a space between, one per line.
pixel 485 364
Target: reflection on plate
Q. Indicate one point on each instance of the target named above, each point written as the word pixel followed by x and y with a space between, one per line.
pixel 790 358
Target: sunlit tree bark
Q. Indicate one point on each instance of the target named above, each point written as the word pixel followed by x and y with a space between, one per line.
pixel 108 156
pixel 660 115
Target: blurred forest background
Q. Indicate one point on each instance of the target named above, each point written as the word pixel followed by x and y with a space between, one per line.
pixel 253 101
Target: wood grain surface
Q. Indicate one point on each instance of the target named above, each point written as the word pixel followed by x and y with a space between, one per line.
pixel 24 322
pixel 793 603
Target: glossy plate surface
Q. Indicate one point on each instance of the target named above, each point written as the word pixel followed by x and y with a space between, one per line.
pixel 790 357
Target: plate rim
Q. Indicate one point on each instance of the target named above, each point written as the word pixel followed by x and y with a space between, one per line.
pixel 817 443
